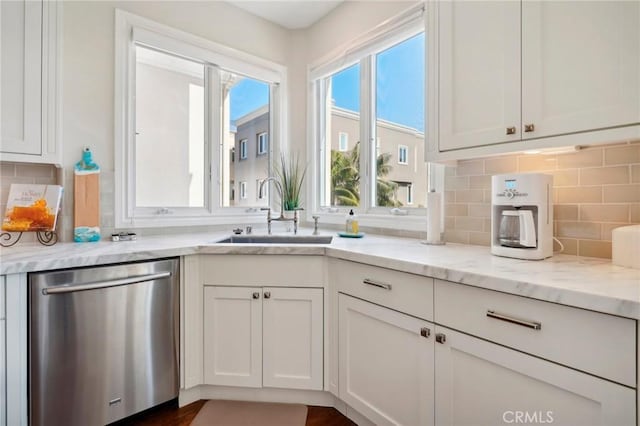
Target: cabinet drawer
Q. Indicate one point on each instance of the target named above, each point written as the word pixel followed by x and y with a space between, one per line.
pixel 600 344
pixel 261 270
pixel 408 293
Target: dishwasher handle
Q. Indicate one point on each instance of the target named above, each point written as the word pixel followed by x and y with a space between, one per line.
pixel 70 288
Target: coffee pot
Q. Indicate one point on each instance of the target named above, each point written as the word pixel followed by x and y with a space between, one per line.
pixel 517 229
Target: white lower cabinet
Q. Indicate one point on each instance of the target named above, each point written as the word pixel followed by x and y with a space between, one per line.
pixel 386 363
pixel 3 363
pixel 263 336
pixel 3 375
pixel 482 383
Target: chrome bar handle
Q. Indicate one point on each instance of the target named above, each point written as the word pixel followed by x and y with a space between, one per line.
pixel 376 283
pixel 529 324
pixel 70 288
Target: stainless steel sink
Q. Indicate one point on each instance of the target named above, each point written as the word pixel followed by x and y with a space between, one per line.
pixel 276 239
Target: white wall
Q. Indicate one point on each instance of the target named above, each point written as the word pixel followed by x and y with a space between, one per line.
pixel 88 71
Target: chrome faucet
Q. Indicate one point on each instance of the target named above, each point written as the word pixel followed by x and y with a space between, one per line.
pixel 268 209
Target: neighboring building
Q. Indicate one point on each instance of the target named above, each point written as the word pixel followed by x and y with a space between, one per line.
pixel 406 146
pixel 249 159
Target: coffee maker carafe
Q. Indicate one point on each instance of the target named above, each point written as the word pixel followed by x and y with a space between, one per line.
pixel 522 216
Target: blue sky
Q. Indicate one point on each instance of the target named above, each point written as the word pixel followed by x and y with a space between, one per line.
pixel 248 95
pixel 399 87
pixel 399 84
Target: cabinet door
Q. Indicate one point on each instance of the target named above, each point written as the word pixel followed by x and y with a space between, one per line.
pixel 479 73
pixel 292 338
pixel 233 336
pixel 21 77
pixel 386 366
pixel 478 382
pixel 580 65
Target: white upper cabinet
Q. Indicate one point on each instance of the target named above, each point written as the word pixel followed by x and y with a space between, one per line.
pixel 580 66
pixel 510 76
pixel 479 73
pixel 28 70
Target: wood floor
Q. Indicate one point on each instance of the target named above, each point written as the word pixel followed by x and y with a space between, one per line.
pixel 170 415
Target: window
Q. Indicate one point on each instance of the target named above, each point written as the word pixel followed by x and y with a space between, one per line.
pixel 243 149
pixel 343 141
pixel 340 177
pixel 184 105
pixel 375 93
pixel 262 143
pixel 402 154
pixel 264 195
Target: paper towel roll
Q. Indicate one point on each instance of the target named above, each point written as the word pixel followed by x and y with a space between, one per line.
pixel 434 218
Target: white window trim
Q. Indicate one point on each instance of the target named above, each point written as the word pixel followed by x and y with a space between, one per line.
pixel 243 149
pixel 243 190
pixel 346 141
pixel 397 29
pixel 406 155
pixel 260 136
pixel 265 191
pixel 146 31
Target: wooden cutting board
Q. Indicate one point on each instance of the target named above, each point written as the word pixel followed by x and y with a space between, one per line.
pixel 86 206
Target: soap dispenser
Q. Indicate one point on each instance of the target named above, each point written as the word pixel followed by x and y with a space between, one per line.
pixel 351 225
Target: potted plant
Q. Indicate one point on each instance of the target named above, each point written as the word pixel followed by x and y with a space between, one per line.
pixel 291 175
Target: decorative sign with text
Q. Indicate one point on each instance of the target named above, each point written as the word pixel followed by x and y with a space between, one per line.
pixel 32 208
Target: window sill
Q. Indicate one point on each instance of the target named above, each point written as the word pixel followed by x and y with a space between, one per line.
pixel 415 222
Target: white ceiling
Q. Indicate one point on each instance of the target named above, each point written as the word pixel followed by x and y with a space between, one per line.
pixel 291 14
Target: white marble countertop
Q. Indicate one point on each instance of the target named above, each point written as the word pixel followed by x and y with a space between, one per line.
pixel 587 283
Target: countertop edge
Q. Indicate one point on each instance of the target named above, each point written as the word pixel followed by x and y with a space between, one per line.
pixel 566 292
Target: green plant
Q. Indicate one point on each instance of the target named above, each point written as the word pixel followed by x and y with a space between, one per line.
pixel 345 179
pixel 291 176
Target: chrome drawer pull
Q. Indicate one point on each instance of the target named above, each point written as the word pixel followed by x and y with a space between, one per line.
pixel 525 323
pixel 376 284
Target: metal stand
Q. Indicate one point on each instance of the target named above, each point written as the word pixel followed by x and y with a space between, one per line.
pixel 46 238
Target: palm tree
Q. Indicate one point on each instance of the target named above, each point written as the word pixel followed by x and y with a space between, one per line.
pixel 345 179
pixel 385 189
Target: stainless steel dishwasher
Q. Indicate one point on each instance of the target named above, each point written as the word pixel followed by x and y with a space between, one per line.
pixel 103 342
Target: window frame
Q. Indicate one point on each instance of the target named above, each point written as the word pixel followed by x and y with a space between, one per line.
pixel 242 189
pixel 363 50
pixel 259 138
pixel 404 148
pixel 346 141
pixel 244 149
pixel 130 30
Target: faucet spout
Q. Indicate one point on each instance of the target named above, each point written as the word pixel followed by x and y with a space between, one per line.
pixel 278 187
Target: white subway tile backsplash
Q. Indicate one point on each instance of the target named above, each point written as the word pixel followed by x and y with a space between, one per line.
pixel 595 190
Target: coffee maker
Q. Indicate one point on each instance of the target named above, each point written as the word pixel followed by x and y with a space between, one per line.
pixel 522 216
